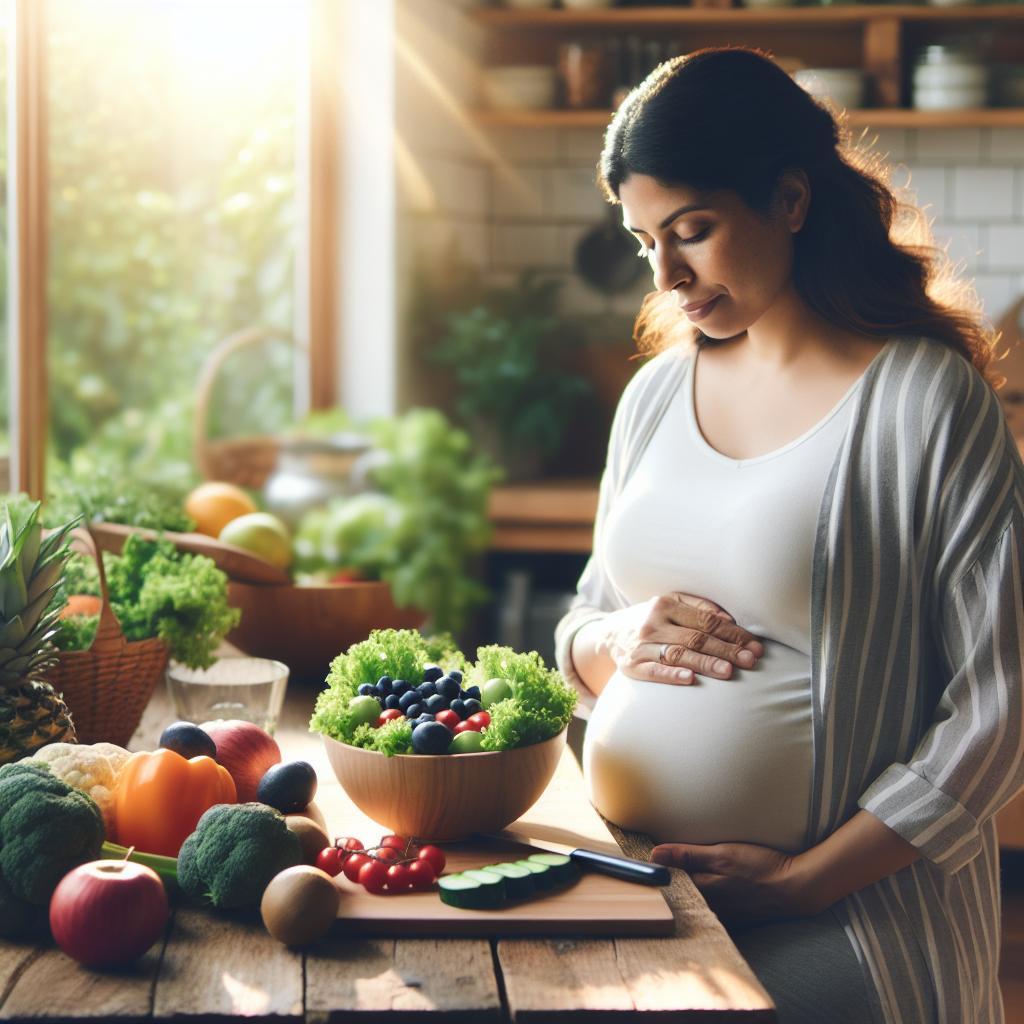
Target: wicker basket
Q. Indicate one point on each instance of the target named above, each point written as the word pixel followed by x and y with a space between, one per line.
pixel 244 461
pixel 108 686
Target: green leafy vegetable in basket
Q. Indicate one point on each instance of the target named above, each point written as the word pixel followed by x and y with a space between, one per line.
pixel 156 590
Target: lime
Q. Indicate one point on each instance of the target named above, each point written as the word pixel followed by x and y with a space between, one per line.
pixel 467 742
pixel 494 690
pixel 364 709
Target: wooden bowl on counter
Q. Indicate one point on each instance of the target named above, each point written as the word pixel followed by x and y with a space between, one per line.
pixel 445 797
pixel 307 627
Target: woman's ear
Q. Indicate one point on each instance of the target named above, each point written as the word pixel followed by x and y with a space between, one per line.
pixel 793 198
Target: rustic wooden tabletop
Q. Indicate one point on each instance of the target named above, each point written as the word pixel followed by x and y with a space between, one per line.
pixel 216 967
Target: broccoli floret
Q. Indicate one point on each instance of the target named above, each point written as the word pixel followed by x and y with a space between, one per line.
pixel 234 852
pixel 46 829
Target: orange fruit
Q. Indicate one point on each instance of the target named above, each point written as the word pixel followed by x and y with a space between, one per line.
pixel 214 504
pixel 81 604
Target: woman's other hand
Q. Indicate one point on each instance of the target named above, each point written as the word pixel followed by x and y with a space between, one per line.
pixel 741 882
pixel 695 634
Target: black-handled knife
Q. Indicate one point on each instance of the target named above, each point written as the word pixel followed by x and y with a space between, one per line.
pixel 626 868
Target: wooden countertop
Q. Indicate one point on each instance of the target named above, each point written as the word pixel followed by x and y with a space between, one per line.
pixel 227 966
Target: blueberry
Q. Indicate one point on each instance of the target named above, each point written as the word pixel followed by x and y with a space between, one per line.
pixel 459 707
pixel 456 675
pixel 421 719
pixel 408 699
pixel 367 690
pixel 431 738
pixel 414 710
pixel 188 740
pixel 447 687
pixel 426 689
pixel 432 672
pixel 399 686
pixel 435 703
pixel 474 692
pixel 472 705
pixel 384 685
pixel 391 701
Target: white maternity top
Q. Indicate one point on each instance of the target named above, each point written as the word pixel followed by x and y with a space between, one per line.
pixel 722 759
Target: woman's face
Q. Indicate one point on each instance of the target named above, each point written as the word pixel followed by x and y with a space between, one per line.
pixel 705 246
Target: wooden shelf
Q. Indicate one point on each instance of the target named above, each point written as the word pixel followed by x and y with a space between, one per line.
pixel 877 117
pixel 668 17
pixel 545 515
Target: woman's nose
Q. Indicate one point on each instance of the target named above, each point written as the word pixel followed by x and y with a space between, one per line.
pixel 669 270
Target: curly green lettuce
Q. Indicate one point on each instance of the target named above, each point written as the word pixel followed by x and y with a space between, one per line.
pixel 399 653
pixel 541 704
pixel 157 591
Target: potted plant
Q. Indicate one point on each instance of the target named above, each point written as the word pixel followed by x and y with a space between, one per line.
pixel 508 350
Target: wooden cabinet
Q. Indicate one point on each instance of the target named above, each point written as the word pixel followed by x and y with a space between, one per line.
pixel 882 39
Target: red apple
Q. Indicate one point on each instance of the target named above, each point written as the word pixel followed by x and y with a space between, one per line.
pixel 245 750
pixel 108 912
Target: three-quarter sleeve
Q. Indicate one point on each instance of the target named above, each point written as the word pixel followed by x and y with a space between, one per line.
pixel 970 761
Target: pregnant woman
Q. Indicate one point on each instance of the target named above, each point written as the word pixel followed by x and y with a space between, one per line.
pixel 800 636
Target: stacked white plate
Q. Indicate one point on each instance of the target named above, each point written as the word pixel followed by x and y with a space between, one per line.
pixel 843 86
pixel 946 78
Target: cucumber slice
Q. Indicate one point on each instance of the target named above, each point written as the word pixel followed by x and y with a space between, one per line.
pixel 460 891
pixel 492 883
pixel 519 884
pixel 562 867
pixel 542 875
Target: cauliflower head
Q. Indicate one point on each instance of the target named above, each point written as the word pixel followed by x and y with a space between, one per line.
pixel 92 769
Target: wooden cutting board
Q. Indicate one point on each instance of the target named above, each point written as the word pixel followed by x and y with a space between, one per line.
pixel 595 905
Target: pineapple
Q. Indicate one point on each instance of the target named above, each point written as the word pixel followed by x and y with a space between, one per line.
pixel 31 568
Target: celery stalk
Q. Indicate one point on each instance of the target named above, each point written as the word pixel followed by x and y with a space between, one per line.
pixel 165 867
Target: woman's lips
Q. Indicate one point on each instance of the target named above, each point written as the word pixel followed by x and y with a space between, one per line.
pixel 702 311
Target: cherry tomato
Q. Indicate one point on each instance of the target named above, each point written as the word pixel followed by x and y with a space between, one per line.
pixel 466 726
pixel 347 844
pixel 373 876
pixel 422 874
pixel 388 853
pixel 399 878
pixel 434 856
pixel 331 860
pixel 480 720
pixel 353 864
pixel 398 842
pixel 448 718
pixel 389 716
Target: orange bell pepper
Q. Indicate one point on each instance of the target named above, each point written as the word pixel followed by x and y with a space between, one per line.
pixel 161 796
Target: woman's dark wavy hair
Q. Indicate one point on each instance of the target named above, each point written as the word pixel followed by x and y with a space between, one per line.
pixel 865 258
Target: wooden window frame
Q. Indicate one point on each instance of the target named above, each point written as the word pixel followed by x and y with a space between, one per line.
pixel 28 186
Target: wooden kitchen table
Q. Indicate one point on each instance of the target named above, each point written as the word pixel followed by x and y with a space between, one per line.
pixel 212 966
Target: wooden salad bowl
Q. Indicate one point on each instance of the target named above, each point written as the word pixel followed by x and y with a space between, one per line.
pixel 445 797
pixel 307 627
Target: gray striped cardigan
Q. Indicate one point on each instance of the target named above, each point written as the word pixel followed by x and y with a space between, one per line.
pixel 917 667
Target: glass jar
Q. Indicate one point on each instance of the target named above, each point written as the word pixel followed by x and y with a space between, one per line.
pixel 310 472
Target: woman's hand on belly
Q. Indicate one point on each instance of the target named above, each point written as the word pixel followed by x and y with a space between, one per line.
pixel 668 638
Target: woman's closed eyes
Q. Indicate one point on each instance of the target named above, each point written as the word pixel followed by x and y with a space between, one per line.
pixel 646 250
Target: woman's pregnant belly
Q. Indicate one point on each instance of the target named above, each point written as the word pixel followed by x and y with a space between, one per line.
pixel 721 760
